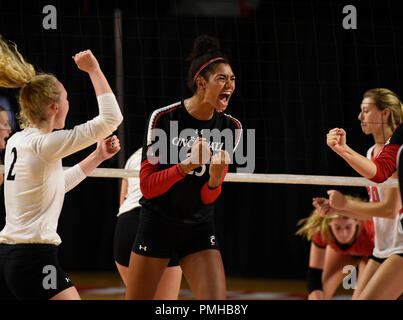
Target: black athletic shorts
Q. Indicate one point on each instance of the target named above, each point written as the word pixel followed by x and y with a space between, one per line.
pixel 159 238
pixel 31 272
pixel 381 260
pixel 125 233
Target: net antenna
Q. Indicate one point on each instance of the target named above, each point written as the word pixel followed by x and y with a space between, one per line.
pixel 117 23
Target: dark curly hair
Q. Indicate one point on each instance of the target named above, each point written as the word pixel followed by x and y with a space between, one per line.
pixel 205 48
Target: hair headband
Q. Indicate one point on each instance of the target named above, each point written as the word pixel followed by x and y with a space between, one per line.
pixel 205 65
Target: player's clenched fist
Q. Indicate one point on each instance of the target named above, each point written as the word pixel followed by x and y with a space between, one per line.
pixel 200 153
pixel 218 164
pixel 336 139
pixel 86 61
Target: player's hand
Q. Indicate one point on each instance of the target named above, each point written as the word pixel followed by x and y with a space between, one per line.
pixel 107 148
pixel 86 61
pixel 219 162
pixel 323 207
pixel 200 153
pixel 336 140
pixel 336 199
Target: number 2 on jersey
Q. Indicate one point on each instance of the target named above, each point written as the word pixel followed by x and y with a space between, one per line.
pixel 10 175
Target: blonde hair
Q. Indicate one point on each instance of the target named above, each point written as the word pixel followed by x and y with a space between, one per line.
pixel 37 89
pixel 387 99
pixel 315 223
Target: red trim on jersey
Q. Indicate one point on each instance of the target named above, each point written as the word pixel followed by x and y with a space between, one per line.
pixel 154 183
pixel 386 163
pixel 209 195
pixel 239 128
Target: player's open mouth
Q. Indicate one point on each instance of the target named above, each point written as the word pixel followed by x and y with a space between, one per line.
pixel 224 98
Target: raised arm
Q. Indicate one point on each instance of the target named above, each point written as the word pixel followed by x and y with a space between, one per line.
pixel 86 62
pixel 61 143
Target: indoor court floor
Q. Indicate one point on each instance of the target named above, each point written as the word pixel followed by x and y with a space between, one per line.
pixel 108 286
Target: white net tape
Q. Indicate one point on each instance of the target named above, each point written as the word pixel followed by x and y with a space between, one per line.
pixel 260 178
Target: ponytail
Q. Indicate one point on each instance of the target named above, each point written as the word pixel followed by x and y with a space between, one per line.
pixel 37 89
pixel 15 72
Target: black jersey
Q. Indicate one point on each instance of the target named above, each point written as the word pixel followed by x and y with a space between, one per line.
pixel 167 191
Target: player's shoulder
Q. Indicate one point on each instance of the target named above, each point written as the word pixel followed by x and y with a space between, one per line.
pixel 24 137
pixel 231 121
pixel 318 241
pixel 164 112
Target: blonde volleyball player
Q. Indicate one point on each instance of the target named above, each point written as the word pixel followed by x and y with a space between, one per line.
pixel 35 182
pixel 336 241
pixel 381 113
pixel 126 229
pixel 5 131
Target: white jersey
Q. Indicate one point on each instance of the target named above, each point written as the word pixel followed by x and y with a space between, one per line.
pixel 133 185
pixel 34 180
pixel 388 232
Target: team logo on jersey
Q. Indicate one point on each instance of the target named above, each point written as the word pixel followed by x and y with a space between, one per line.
pixel 212 240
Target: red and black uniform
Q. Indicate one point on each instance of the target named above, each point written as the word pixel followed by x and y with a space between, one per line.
pixel 172 199
pixel 361 247
pixel 386 162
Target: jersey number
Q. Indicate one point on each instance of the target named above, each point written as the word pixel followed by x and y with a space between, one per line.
pixel 10 175
pixel 373 194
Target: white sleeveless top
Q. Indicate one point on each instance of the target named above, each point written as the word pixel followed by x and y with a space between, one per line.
pixel 388 232
pixel 133 185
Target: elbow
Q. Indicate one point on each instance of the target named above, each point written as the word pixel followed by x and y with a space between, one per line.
pixel 119 119
pixel 116 121
pixel 378 177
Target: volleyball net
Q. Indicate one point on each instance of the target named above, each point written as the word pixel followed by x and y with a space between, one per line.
pixel 259 178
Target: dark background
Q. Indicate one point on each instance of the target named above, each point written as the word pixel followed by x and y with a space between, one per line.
pixel 299 74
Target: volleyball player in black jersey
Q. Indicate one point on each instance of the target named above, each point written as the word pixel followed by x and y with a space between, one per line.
pixel 176 218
